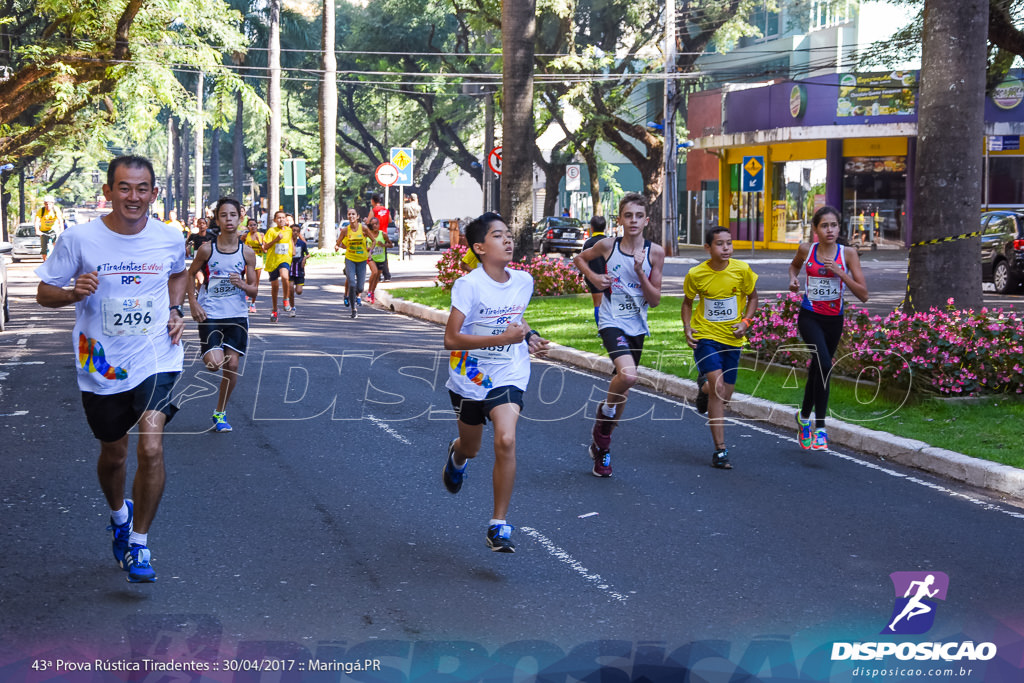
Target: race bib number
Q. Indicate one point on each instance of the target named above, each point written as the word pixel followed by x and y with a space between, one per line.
pixel 721 310
pixel 377 251
pixel 128 316
pixel 491 353
pixel 281 249
pixel 625 305
pixel 823 288
pixel 220 287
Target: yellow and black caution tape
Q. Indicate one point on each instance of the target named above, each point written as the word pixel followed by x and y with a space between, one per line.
pixel 954 238
pixel 942 240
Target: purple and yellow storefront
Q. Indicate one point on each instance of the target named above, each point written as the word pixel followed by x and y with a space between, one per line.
pixel 844 140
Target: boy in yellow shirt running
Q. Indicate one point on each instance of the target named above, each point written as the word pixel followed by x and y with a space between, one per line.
pixel 716 329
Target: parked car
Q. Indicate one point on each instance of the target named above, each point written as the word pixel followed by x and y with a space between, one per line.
pixel 559 234
pixel 310 231
pixel 1002 249
pixel 438 236
pixel 26 243
pixel 5 313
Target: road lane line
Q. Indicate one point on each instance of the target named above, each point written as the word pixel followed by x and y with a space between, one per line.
pixel 574 564
pixel 388 428
pixel 985 505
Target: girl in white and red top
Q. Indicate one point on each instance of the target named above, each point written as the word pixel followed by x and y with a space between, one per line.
pixel 829 269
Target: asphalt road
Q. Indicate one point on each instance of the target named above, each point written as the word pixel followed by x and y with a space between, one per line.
pixel 319 531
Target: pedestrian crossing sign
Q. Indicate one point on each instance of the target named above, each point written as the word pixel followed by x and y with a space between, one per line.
pixel 402 158
pixel 753 174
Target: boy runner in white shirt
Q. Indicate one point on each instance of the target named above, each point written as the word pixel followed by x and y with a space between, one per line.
pixel 489 367
pixel 129 281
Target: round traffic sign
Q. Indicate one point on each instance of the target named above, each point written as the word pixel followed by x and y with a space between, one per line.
pixel 386 174
pixel 494 160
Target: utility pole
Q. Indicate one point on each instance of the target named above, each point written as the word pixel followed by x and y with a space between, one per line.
pixel 670 193
pixel 488 146
pixel 328 127
pixel 274 104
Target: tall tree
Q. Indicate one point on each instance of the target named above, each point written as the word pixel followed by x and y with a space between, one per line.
pixel 328 126
pixel 274 104
pixel 951 128
pixel 518 32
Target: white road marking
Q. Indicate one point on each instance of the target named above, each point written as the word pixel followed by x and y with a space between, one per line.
pixel 574 564
pixel 589 514
pixel 388 428
pixel 16 413
pixel 25 362
pixel 863 463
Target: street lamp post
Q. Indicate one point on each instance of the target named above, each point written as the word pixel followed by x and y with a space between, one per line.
pixel 3 220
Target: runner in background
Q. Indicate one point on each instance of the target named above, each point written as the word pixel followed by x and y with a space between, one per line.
pixel 378 252
pixel 829 269
pixel 597 225
pixel 278 241
pixel 383 216
pixel 716 329
pixel 254 240
pixel 300 252
pixel 49 222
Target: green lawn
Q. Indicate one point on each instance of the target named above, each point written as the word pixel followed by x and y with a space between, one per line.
pixel 989 429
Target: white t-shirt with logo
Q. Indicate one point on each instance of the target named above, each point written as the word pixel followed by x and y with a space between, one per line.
pixel 490 307
pixel 120 335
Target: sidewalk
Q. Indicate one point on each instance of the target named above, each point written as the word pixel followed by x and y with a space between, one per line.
pixel 995 477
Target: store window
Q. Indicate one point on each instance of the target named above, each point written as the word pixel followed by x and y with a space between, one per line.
pixel 798 190
pixel 874 201
pixel 1005 181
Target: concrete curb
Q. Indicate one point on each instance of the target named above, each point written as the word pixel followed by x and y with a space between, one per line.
pixel 995 477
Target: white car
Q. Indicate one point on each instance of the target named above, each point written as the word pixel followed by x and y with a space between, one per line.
pixel 310 231
pixel 26 243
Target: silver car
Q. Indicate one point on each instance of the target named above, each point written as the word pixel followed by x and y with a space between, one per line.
pixel 26 243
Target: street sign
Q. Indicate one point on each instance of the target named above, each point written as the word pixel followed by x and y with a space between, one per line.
pixel 572 178
pixel 494 160
pixel 401 157
pixel 753 174
pixel 294 176
pixel 386 174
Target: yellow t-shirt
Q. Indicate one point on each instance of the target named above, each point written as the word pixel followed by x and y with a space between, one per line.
pixel 357 245
pixel 48 219
pixel 719 299
pixel 253 242
pixel 282 251
pixel 470 260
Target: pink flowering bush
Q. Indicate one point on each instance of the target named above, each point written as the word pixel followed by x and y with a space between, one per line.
pixel 550 277
pixel 948 352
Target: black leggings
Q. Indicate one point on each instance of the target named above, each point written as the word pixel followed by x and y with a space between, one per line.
pixel 823 333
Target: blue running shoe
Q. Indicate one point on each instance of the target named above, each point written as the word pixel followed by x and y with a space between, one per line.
pixel 138 566
pixel 451 475
pixel 219 423
pixel 121 534
pixel 498 538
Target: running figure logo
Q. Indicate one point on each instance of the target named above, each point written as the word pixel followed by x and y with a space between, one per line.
pixel 916 592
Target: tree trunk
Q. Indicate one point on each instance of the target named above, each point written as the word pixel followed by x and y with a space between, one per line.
pixel 518 28
pixel 238 153
pixel 200 128
pixel 169 190
pixel 590 157
pixel 947 183
pixel 328 127
pixel 215 165
pixel 183 158
pixel 274 104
